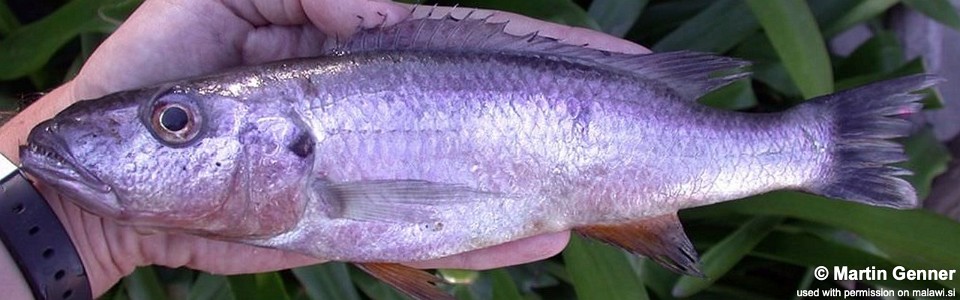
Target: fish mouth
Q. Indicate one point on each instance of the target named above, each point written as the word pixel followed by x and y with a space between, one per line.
pixel 51 162
pixel 47 159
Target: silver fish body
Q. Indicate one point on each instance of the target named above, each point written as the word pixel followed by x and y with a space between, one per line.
pixel 556 145
pixel 425 148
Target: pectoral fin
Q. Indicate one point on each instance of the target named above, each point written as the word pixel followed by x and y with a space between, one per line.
pixel 660 239
pixel 410 201
pixel 416 283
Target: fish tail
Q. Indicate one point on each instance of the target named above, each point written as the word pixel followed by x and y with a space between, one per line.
pixel 864 119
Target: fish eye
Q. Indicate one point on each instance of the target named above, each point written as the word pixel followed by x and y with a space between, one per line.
pixel 174 118
pixel 175 122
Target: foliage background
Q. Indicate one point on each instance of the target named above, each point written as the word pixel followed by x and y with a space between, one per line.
pixel 763 247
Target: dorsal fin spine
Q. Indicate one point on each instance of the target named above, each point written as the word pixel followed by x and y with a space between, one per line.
pixel 689 74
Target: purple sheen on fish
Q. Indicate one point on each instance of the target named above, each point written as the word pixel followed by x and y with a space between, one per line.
pixel 439 136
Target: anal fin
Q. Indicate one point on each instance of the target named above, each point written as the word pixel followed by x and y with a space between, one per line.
pixel 659 238
pixel 416 283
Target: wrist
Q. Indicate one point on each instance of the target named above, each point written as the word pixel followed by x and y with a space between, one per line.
pixel 37 242
pixel 12 283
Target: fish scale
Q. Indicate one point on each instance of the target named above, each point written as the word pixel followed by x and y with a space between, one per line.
pixel 544 144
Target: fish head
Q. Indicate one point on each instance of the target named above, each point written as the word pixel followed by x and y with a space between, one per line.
pixel 178 157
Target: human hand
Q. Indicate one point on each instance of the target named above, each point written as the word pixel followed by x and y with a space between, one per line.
pixel 171 39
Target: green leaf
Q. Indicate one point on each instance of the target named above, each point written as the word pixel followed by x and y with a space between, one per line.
pixel 503 286
pixel 534 275
pixel 557 270
pixel 793 31
pixel 143 284
pixel 599 271
pixel 719 28
pixel 737 95
pixel 662 17
pixel 806 282
pixel 258 286
pixel 29 47
pixel 458 276
pixel 560 11
pixel 928 158
pixel 913 67
pixel 119 293
pixel 880 54
pixel 864 10
pixel 807 250
pixel 724 255
pixel 657 279
pixel 209 286
pixel 940 10
pixel 616 17
pixel 914 239
pixel 767 67
pixel 8 21
pixel 327 281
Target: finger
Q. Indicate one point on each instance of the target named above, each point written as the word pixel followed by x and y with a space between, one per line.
pixel 513 253
pixel 340 19
pixel 521 25
pixel 219 257
pixel 161 41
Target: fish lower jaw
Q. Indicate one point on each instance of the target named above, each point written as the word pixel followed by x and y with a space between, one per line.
pixel 49 164
pixel 54 170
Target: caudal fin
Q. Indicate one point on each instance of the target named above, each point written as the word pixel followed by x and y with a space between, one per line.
pixel 864 120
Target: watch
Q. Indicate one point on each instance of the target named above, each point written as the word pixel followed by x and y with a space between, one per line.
pixel 37 240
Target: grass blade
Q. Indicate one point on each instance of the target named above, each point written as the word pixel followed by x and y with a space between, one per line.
pixel 662 17
pixel 258 286
pixel 327 281
pixel 737 95
pixel 914 239
pixel 31 46
pixel 503 285
pixel 793 31
pixel 8 22
pixel 864 10
pixel 880 54
pixel 928 158
pixel 718 28
pixel 143 284
pixel 940 10
pixel 807 250
pixel 616 17
pixel 724 255
pixel 599 271
pixel 209 286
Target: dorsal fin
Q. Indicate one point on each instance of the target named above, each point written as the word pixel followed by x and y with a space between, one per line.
pixel 690 74
pixel 660 239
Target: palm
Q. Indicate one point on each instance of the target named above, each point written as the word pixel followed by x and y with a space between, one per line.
pixel 174 39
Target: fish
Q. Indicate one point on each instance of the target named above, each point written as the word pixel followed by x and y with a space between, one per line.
pixel 438 136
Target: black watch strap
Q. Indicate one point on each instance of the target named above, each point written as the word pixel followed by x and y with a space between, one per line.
pixel 38 242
